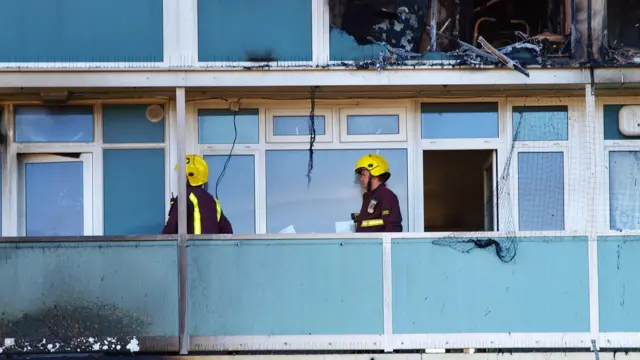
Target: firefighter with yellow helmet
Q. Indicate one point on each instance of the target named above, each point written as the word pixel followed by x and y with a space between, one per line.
pixel 204 213
pixel 380 210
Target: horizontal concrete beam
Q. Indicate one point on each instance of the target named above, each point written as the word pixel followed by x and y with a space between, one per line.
pixel 307 77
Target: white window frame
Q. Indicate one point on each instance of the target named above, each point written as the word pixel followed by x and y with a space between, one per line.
pixel 87 186
pixel 302 107
pixel 569 148
pixel 498 145
pixel 327 113
pixel 94 148
pixel 401 113
pixel 603 155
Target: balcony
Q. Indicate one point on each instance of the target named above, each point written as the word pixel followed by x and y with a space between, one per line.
pixel 318 292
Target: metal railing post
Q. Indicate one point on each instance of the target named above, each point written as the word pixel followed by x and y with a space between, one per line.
pixel 182 221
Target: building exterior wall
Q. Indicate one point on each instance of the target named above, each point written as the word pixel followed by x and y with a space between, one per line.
pixel 86 187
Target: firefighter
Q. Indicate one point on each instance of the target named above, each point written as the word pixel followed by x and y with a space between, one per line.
pixel 204 213
pixel 380 210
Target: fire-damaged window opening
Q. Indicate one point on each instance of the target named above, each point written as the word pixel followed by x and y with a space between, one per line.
pixel 622 33
pixel 509 32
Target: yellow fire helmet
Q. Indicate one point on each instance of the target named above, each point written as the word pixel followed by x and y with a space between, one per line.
pixel 197 170
pixel 376 165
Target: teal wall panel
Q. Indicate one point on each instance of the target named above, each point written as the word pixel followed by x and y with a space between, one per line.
pixel 130 209
pixel 437 289
pixel 285 287
pixel 88 289
pixel 618 286
pixel 254 30
pixel 81 31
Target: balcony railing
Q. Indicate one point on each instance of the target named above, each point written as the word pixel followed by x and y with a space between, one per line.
pixel 381 292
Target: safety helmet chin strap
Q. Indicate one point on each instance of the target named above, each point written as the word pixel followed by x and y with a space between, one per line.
pixel 369 183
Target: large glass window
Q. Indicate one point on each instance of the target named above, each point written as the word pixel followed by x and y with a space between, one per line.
pixel 334 192
pixel 236 189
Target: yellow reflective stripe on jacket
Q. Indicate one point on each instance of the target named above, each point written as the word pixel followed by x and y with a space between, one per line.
pixel 372 222
pixel 218 209
pixel 197 225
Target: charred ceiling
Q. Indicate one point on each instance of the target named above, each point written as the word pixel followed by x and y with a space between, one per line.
pixel 512 33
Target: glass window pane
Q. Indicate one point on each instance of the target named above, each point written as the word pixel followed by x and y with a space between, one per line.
pixel 540 123
pixel 131 210
pixel 460 121
pixel 54 123
pixel 624 193
pixel 334 192
pixel 236 189
pixel 296 125
pixel 541 191
pixel 129 124
pixel 260 36
pixel 373 124
pixel 54 199
pixel 216 126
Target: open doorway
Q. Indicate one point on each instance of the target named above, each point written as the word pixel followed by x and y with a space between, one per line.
pixel 459 190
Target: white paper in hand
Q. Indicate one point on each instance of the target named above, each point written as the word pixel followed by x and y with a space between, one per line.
pixel 288 230
pixel 345 227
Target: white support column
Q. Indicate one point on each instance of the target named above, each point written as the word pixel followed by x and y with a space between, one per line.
pixel 181 112
pixel 591 192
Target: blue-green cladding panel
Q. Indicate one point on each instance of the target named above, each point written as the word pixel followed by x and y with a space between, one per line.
pixel 254 30
pixel 81 290
pixel 285 287
pixel 81 31
pixel 618 285
pixel 437 289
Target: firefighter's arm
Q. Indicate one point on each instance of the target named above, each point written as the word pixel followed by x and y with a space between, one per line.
pixel 391 215
pixel 225 225
pixel 171 227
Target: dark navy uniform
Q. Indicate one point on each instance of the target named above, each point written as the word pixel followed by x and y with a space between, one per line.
pixel 204 214
pixel 380 211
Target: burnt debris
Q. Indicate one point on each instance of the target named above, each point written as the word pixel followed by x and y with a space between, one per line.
pixel 510 33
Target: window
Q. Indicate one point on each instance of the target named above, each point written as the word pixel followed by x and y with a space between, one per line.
pixel 236 189
pixel 134 144
pixel 540 123
pixel 541 191
pixel 220 126
pixel 622 154
pixel 56 195
pixel 38 124
pixel 263 34
pixel 459 120
pixel 358 125
pixel 292 125
pixel 460 143
pixel 123 124
pixel 540 135
pixel 334 192
pixel 624 194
